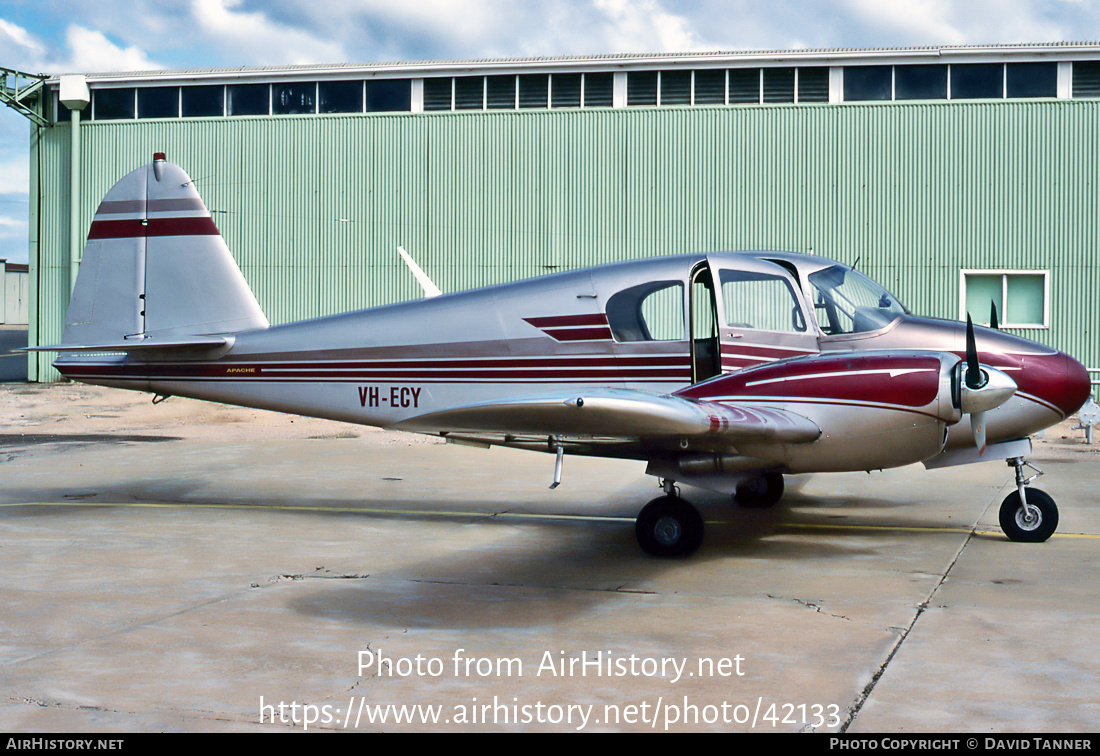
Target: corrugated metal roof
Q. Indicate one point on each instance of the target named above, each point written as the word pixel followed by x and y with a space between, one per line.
pixel 616 61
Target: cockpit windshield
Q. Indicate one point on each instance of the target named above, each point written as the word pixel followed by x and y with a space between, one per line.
pixel 848 302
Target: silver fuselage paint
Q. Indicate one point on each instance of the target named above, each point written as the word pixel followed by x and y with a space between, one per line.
pixel 389 364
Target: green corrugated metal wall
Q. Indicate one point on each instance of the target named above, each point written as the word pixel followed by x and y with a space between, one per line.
pixel 314 207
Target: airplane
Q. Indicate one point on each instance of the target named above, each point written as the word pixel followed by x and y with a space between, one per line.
pixel 724 371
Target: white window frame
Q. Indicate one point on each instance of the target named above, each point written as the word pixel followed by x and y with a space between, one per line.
pixel 1005 273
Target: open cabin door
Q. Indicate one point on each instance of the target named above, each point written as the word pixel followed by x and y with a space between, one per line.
pixel 761 312
pixel 706 357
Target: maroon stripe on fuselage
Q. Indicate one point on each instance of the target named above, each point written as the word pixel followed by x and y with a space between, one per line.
pixel 579 334
pixel 136 228
pixel 604 369
pixel 561 321
pixel 901 380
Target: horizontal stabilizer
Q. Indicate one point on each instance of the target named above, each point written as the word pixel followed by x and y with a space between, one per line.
pixel 618 414
pixel 190 343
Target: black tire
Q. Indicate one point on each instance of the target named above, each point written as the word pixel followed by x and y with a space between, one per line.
pixel 760 491
pixel 669 527
pixel 1018 527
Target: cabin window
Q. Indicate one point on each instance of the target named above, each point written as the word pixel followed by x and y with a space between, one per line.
pixel 649 312
pixel 760 301
pixel 848 302
pixel 1020 297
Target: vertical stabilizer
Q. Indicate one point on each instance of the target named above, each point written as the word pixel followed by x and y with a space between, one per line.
pixel 155 265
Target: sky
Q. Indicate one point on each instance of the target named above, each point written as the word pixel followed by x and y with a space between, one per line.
pixel 84 36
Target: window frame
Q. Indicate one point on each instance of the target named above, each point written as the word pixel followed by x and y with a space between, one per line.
pixel 1002 309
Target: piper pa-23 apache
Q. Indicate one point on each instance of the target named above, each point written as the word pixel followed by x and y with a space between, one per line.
pixel 721 371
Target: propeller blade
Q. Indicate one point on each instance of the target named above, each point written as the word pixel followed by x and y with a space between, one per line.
pixel 973 370
pixel 993 322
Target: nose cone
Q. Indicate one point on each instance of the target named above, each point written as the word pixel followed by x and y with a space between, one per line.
pixel 1076 387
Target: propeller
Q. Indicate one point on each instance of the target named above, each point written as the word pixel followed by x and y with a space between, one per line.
pixel 993 323
pixel 983 388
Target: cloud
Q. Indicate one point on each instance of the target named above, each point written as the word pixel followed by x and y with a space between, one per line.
pixel 257 39
pixel 90 50
pixel 13 35
pixel 84 50
pixel 15 174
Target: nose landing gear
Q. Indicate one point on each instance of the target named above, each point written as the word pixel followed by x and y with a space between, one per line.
pixel 1028 515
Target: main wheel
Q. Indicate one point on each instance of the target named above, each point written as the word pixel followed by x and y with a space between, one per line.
pixel 760 491
pixel 1034 527
pixel 669 527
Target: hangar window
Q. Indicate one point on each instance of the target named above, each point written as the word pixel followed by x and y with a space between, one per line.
pixel 599 90
pixel 437 94
pixel 778 85
pixel 500 92
pixel 292 98
pixel 920 82
pixel 248 99
pixel 744 85
pixel 977 81
pixel 813 84
pixel 565 90
pixel 199 102
pixel 868 83
pixel 340 97
pixel 1020 296
pixel 675 87
pixel 1031 80
pixel 470 93
pixel 534 91
pixel 158 102
pixel 651 311
pixel 389 95
pixel 710 87
pixel 1086 79
pixel 641 88
pixel 112 103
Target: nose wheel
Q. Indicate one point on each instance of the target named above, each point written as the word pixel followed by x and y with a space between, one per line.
pixel 1028 515
pixel 668 526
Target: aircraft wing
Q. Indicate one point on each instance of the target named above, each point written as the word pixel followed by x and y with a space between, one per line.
pixel 618 415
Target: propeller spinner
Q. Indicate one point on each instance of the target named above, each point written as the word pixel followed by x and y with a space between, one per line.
pixel 982 388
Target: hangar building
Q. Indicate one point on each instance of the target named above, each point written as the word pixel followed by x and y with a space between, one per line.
pixel 955 176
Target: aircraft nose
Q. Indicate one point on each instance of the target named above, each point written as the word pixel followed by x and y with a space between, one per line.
pixel 1076 386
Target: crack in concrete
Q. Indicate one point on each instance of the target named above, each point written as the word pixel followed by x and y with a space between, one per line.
pixel 865 694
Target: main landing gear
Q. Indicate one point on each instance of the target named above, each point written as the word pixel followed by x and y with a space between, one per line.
pixel 1028 514
pixel 760 491
pixel 668 526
